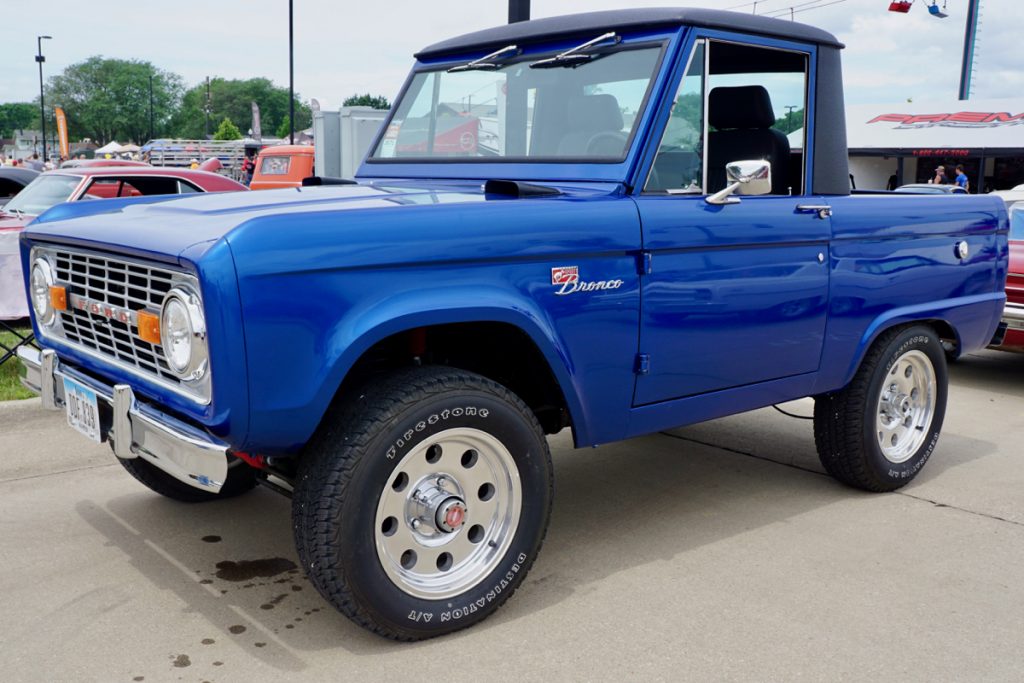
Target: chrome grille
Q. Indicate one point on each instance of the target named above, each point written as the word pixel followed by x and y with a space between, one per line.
pixel 128 285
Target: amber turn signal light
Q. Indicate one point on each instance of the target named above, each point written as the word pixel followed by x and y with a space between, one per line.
pixel 149 327
pixel 59 298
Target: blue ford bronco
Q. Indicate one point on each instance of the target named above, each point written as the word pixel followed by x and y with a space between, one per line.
pixel 595 222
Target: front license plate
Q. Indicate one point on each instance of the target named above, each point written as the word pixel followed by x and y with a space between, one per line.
pixel 83 412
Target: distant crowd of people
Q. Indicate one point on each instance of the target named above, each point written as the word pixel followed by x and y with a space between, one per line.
pixel 36 164
pixel 33 162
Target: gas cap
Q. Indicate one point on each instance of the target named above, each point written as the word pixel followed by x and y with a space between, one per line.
pixel 961 250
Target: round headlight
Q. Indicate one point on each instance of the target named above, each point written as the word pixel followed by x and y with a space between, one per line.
pixel 176 335
pixel 41 281
pixel 183 334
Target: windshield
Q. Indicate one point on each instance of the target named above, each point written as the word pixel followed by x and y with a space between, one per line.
pixel 515 113
pixel 42 193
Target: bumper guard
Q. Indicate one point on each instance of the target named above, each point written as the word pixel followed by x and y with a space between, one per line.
pixel 135 430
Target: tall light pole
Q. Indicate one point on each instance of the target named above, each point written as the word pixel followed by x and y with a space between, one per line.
pixel 291 75
pixel 42 107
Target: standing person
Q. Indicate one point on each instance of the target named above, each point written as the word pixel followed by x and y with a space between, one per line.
pixel 940 176
pixel 34 163
pixel 961 178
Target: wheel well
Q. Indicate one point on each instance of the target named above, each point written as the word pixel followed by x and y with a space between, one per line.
pixel 499 351
pixel 950 339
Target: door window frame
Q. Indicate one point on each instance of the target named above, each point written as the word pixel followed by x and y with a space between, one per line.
pixel 660 122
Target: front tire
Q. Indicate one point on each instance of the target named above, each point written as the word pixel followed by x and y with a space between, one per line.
pixel 879 431
pixel 421 504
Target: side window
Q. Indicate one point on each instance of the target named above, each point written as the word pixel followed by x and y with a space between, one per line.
pixel 679 165
pixel 186 188
pixel 752 103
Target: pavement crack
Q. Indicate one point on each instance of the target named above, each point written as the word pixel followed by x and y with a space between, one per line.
pixel 824 474
pixel 744 453
pixel 52 474
pixel 937 504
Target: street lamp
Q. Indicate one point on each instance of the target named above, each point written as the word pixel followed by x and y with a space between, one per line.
pixel 42 107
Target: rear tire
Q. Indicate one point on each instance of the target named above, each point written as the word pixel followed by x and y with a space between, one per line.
pixel 421 504
pixel 241 479
pixel 879 431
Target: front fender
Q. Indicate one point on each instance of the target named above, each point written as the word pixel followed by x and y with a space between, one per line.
pixel 284 416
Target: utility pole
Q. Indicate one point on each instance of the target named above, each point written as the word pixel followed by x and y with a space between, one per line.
pixel 207 108
pixel 291 74
pixel 789 117
pixel 42 107
pixel 518 10
pixel 970 39
pixel 150 105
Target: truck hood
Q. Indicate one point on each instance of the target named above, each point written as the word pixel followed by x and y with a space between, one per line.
pixel 162 228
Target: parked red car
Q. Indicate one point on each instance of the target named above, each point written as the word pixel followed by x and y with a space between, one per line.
pixel 1013 313
pixel 74 184
pixel 95 163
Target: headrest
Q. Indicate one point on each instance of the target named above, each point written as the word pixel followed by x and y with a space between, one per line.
pixel 743 107
pixel 595 113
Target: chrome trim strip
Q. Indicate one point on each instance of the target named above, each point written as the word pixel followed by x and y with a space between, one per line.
pixel 179 449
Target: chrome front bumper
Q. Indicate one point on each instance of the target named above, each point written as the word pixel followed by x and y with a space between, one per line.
pixel 134 429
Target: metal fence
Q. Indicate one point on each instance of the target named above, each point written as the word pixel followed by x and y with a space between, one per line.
pixel 9 351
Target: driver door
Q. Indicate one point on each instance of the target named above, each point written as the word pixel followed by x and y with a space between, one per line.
pixel 735 294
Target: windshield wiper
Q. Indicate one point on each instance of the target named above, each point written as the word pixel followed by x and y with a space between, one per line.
pixel 485 63
pixel 577 55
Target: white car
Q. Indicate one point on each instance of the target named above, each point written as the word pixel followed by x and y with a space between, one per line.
pixel 1011 196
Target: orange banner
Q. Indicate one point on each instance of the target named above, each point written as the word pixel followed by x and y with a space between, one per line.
pixel 62 132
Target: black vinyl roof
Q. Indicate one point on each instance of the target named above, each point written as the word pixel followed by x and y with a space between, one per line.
pixel 592 23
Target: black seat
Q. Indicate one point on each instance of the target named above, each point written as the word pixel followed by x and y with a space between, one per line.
pixel 596 123
pixel 742 118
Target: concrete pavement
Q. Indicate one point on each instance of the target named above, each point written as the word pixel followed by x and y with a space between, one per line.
pixel 716 552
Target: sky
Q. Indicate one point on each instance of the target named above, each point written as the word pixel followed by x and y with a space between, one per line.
pixel 345 48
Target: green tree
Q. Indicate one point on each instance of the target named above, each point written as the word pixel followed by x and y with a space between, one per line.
pixel 17 116
pixel 108 99
pixel 284 130
pixel 367 100
pixel 227 131
pixel 793 120
pixel 233 99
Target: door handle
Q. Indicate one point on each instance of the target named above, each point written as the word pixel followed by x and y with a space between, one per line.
pixel 823 210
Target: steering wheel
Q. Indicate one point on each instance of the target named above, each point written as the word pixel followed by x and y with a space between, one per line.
pixel 606 143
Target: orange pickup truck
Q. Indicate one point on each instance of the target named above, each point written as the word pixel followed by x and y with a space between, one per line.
pixel 282 166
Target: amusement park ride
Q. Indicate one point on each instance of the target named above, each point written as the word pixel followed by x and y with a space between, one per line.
pixel 970 34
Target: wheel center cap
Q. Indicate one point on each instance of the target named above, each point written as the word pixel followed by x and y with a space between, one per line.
pixel 451 515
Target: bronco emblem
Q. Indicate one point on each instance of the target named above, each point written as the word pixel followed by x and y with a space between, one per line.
pixel 568 277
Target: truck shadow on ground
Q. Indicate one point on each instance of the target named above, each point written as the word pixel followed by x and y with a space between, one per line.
pixel 621 506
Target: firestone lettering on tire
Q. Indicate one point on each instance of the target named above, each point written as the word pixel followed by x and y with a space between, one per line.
pixel 406 438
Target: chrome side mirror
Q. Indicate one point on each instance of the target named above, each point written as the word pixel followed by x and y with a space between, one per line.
pixel 752 177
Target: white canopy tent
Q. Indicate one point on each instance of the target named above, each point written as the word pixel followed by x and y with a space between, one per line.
pixel 109 148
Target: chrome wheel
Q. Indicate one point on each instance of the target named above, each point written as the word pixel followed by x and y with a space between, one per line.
pixel 448 513
pixel 906 406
